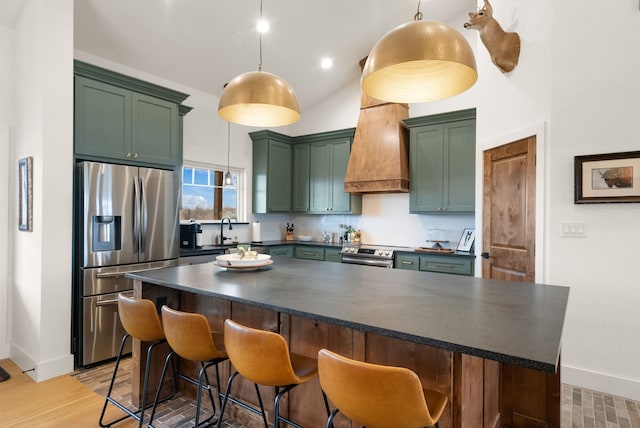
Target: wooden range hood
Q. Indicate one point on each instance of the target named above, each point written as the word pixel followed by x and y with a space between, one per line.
pixel 379 160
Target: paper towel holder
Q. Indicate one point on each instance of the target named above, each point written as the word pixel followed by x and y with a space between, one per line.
pixel 255 233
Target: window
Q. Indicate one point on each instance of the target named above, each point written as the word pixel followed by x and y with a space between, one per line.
pixel 206 198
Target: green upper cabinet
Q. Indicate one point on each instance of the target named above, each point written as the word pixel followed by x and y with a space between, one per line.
pixel 272 167
pixel 155 131
pixel 328 158
pixel 300 202
pixel 302 174
pixel 442 160
pixel 124 119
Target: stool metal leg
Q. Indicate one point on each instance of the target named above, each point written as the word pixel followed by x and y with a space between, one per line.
pixel 135 414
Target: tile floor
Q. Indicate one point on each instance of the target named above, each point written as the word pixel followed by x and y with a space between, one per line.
pixel 581 408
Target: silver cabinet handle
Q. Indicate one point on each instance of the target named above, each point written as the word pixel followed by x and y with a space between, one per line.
pixel 407 262
pixel 107 302
pixel 121 274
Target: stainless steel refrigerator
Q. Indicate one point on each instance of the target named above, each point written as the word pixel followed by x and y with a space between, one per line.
pixel 126 220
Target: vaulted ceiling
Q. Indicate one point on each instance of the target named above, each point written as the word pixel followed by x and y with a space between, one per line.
pixel 205 43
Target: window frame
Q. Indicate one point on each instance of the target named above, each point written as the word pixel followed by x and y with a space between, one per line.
pixel 240 186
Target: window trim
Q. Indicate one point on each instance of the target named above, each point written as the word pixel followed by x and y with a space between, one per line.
pixel 240 186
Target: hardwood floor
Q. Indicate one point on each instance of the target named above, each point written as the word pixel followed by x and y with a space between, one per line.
pixel 76 401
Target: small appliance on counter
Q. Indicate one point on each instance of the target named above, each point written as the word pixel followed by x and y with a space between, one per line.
pixel 191 235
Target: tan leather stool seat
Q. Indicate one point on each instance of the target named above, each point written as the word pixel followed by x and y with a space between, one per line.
pixel 377 396
pixel 190 337
pixel 263 357
pixel 140 321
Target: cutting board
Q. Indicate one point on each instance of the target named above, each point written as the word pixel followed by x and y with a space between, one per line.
pixel 434 250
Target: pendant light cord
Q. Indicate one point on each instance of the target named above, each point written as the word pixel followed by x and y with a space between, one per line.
pixel 228 142
pixel 260 39
pixel 417 16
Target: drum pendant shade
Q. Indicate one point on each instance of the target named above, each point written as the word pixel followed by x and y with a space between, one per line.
pixel 419 61
pixel 258 98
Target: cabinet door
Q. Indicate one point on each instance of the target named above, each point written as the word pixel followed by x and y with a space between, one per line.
pixel 407 262
pixel 102 115
pixel 320 180
pixel 447 264
pixel 443 167
pixel 300 202
pixel 459 182
pixel 332 255
pixel 155 131
pixel 283 250
pixel 340 200
pixel 279 177
pixel 311 253
pixel 427 168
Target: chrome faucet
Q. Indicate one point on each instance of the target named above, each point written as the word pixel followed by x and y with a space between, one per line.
pixel 222 238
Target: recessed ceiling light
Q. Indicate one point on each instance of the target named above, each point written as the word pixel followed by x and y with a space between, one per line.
pixel 326 63
pixel 262 26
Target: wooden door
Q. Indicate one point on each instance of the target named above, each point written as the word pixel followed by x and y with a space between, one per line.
pixel 509 211
pixel 509 201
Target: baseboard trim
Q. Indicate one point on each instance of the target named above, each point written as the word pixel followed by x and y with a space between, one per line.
pixel 44 370
pixel 621 387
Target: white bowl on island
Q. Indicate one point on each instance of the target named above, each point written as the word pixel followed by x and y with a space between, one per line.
pixel 305 238
pixel 237 260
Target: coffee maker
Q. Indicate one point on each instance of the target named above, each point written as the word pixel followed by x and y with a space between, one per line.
pixel 191 235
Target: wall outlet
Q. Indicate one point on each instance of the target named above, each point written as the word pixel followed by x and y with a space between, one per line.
pixel 573 230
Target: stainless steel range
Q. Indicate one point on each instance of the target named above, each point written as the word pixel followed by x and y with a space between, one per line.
pixel 368 255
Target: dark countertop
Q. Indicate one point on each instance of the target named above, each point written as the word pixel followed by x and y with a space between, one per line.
pixel 215 249
pixel 505 321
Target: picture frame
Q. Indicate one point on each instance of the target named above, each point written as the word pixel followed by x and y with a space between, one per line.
pixel 607 178
pixel 466 240
pixel 25 194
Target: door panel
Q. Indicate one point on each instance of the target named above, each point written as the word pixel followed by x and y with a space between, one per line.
pixel 509 211
pixel 108 214
pixel 102 330
pixel 160 196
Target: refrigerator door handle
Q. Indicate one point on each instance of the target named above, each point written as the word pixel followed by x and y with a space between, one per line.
pixel 144 218
pixel 136 214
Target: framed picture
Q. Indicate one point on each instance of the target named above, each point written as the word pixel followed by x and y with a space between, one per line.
pixel 466 240
pixel 25 194
pixel 610 177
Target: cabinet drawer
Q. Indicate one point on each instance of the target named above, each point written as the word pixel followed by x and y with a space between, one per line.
pixel 407 262
pixel 311 253
pixel 332 255
pixel 444 264
pixel 286 250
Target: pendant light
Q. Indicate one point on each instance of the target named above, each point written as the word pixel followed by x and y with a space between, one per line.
pixel 419 61
pixel 258 98
pixel 228 178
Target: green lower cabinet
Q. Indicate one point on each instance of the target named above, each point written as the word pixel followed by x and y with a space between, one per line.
pixel 308 252
pixel 408 262
pixel 332 255
pixel 447 264
pixel 283 250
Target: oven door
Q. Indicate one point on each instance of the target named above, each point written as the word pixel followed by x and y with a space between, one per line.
pixel 367 261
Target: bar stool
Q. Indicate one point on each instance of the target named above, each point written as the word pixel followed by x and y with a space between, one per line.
pixel 263 358
pixel 377 396
pixel 140 321
pixel 189 335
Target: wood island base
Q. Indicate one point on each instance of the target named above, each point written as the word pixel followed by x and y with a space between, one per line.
pixel 482 392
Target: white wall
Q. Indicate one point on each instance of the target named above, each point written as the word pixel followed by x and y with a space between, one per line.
pixel 595 109
pixel 40 289
pixel 6 95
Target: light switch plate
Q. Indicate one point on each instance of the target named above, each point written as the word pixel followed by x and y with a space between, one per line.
pixel 573 230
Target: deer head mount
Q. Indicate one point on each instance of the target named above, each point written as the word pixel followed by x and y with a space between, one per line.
pixel 503 47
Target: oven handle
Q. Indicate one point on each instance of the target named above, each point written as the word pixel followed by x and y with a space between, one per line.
pixel 367 262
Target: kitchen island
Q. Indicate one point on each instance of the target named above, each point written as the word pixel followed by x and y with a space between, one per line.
pixel 491 346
